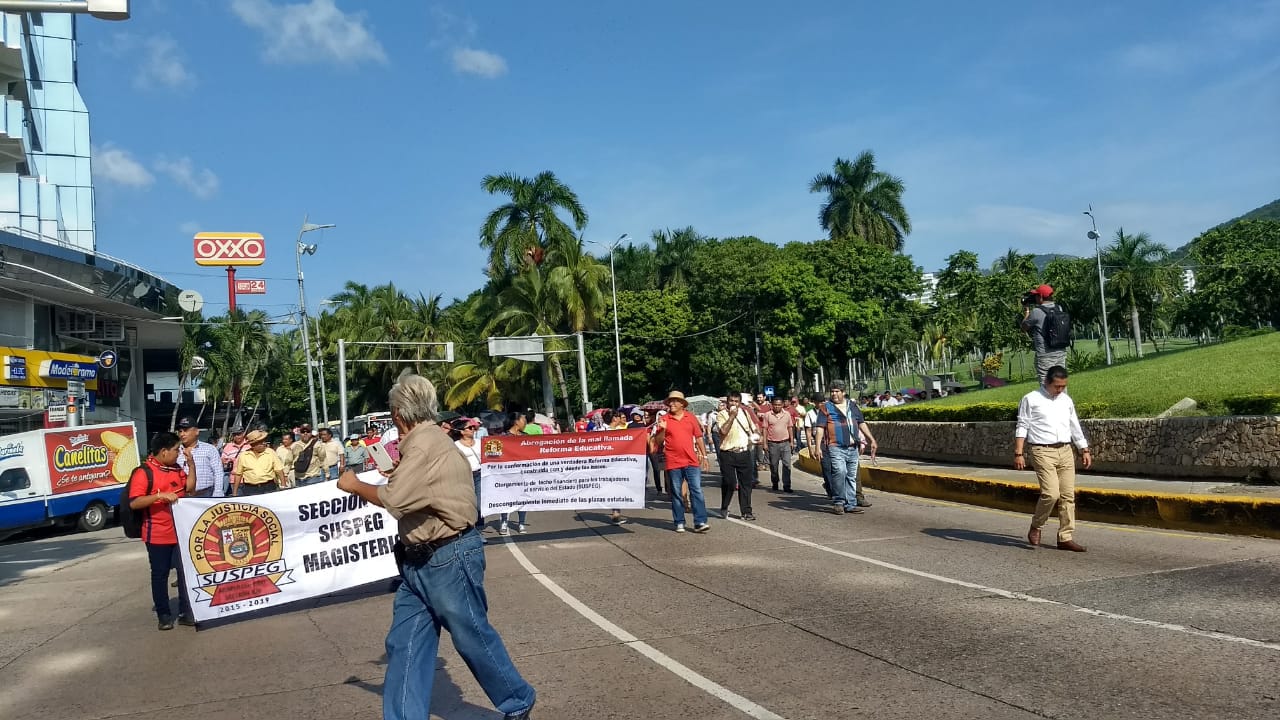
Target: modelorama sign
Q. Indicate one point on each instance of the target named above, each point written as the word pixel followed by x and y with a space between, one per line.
pixel 568 471
pixel 268 550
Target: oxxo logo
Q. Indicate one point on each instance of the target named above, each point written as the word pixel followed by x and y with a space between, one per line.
pixel 226 249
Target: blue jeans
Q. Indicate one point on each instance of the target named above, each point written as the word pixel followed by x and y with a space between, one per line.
pixel 331 472
pixel 311 480
pixel 692 474
pixel 843 475
pixel 448 593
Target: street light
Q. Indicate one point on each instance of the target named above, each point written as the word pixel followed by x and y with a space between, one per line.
pixel 1102 295
pixel 617 343
pixel 101 9
pixel 302 308
pixel 324 394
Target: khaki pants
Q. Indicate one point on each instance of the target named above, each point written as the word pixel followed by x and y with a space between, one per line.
pixel 1056 471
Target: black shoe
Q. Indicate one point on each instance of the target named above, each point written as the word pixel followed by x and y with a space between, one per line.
pixel 166 623
pixel 775 488
pixel 186 621
pixel 787 490
pixel 520 715
pixel 749 517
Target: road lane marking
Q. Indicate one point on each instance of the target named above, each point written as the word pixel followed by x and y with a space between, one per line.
pixel 1013 595
pixel 701 682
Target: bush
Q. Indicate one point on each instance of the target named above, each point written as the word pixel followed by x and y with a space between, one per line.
pixel 1254 404
pixel 1081 360
pixel 977 412
pixel 1237 332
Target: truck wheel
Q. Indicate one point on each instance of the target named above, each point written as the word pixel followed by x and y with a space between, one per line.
pixel 93 518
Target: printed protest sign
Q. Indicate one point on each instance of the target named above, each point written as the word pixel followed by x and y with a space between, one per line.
pixel 246 554
pixel 570 471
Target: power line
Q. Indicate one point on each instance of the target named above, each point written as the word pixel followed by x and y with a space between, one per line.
pixel 674 337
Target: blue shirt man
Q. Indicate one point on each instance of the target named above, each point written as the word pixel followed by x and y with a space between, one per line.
pixel 201 457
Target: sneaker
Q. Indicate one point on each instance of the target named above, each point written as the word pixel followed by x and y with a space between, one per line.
pixel 522 529
pixel 186 621
pixel 618 520
pixel 701 528
pixel 749 517
pixel 166 623
pixel 837 508
pixel 864 503
pixel 679 527
pixel 854 510
pixel 522 715
pixel 724 513
pixel 484 540
pixel 503 529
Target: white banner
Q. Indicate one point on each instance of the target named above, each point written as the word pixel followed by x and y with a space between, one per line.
pixel 567 471
pixel 249 553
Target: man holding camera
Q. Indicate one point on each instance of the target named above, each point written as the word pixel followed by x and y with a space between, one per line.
pixel 1049 327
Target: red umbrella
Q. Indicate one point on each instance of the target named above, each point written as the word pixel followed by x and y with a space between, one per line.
pixel 654 406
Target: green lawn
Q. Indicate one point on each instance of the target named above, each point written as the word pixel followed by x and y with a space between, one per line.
pixel 1147 387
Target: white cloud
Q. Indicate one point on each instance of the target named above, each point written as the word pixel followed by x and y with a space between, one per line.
pixel 310 32
pixel 162 65
pixel 478 62
pixel 456 35
pixel 202 183
pixel 114 165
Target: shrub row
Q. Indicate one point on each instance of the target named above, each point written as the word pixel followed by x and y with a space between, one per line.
pixel 1252 404
pixel 977 412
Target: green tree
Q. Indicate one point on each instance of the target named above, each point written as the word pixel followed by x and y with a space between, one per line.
pixel 1237 277
pixel 528 219
pixel 1141 276
pixel 673 250
pixel 862 202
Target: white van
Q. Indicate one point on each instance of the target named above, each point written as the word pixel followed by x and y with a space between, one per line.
pixel 67 475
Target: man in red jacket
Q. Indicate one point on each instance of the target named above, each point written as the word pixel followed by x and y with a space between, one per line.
pixel 153 489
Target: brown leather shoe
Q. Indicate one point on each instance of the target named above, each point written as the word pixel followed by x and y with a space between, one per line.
pixel 1033 537
pixel 1071 545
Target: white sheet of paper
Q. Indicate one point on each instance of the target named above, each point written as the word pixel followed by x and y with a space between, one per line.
pixel 372 477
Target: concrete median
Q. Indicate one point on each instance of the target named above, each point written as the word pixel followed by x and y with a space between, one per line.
pixel 1231 514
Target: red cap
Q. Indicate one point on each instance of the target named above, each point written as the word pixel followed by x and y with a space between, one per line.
pixel 1044 291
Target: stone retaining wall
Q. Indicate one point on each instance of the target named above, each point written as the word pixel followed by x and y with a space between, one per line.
pixel 1219 447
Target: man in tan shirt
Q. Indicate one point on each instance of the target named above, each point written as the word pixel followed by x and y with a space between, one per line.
pixel 441 559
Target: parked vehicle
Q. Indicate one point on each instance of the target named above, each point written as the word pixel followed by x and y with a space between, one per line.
pixel 68 476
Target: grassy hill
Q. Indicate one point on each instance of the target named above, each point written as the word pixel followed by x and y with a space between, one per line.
pixel 1270 211
pixel 1147 387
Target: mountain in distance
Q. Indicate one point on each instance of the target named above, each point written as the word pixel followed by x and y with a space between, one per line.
pixel 1270 211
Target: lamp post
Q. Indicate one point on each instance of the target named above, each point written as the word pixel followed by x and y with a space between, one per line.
pixel 300 250
pixel 1102 295
pixel 101 9
pixel 324 394
pixel 617 342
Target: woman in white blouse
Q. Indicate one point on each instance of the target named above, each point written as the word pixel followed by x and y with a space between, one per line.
pixel 465 430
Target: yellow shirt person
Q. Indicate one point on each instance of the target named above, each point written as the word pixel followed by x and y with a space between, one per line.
pixel 258 469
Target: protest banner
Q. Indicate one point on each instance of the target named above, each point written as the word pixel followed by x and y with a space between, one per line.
pixel 245 554
pixel 568 471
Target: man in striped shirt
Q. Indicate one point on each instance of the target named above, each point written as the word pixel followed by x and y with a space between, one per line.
pixel 202 459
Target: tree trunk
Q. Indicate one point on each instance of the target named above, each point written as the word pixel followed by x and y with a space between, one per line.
pixel 1137 332
pixel 177 403
pixel 564 389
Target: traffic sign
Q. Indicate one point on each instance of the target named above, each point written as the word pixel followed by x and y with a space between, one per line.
pixel 107 359
pixel 768 391
pixel 230 249
pixel 251 287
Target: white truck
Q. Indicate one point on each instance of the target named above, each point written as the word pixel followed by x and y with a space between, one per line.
pixel 64 476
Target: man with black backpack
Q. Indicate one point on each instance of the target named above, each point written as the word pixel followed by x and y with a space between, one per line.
pixel 1050 329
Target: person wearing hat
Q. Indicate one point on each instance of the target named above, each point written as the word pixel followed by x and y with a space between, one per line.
pixel 1050 329
pixel 201 459
pixel 231 450
pixel 637 420
pixel 839 432
pixel 258 470
pixel 285 451
pixel 354 454
pixel 679 434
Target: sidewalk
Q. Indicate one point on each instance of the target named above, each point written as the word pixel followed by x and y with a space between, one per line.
pixel 1218 507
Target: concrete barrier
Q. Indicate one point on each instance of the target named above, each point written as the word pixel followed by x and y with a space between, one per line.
pixel 1233 515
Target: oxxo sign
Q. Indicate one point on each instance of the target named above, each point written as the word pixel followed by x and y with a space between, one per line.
pixel 230 249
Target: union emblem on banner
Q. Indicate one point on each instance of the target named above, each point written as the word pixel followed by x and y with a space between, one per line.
pixel 237 551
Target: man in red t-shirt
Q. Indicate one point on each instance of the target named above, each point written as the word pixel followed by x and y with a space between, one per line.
pixel 680 435
pixel 154 497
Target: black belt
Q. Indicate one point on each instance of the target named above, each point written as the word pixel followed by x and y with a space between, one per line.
pixel 1051 445
pixel 421 553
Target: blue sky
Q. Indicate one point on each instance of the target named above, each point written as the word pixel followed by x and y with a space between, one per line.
pixel 1004 120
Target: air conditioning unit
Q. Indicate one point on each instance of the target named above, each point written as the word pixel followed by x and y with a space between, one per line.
pixel 69 322
pixel 106 330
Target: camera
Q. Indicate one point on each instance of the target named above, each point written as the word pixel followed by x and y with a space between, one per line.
pixel 1030 299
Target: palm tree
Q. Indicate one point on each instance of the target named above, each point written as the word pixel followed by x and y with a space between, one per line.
pixel 530 306
pixel 862 202
pixel 1140 273
pixel 528 220
pixel 673 253
pixel 578 281
pixel 636 268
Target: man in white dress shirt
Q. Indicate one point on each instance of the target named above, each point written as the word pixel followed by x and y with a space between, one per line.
pixel 1047 428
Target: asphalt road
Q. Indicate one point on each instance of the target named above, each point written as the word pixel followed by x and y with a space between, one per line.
pixel 915 609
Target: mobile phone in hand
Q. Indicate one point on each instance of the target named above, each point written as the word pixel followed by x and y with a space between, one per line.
pixel 381 457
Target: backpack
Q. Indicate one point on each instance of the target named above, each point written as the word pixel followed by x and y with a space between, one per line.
pixel 302 463
pixel 1056 329
pixel 130 519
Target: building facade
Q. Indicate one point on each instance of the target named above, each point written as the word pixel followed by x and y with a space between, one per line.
pixel 67 311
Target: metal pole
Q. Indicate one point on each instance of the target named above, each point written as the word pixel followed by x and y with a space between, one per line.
pixel 302 310
pixel 1102 296
pixel 231 290
pixel 582 375
pixel 617 341
pixel 342 384
pixel 324 395
pixel 759 385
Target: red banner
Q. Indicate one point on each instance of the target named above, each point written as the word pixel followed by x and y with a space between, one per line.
pixel 251 287
pixel 90 457
pixel 520 448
